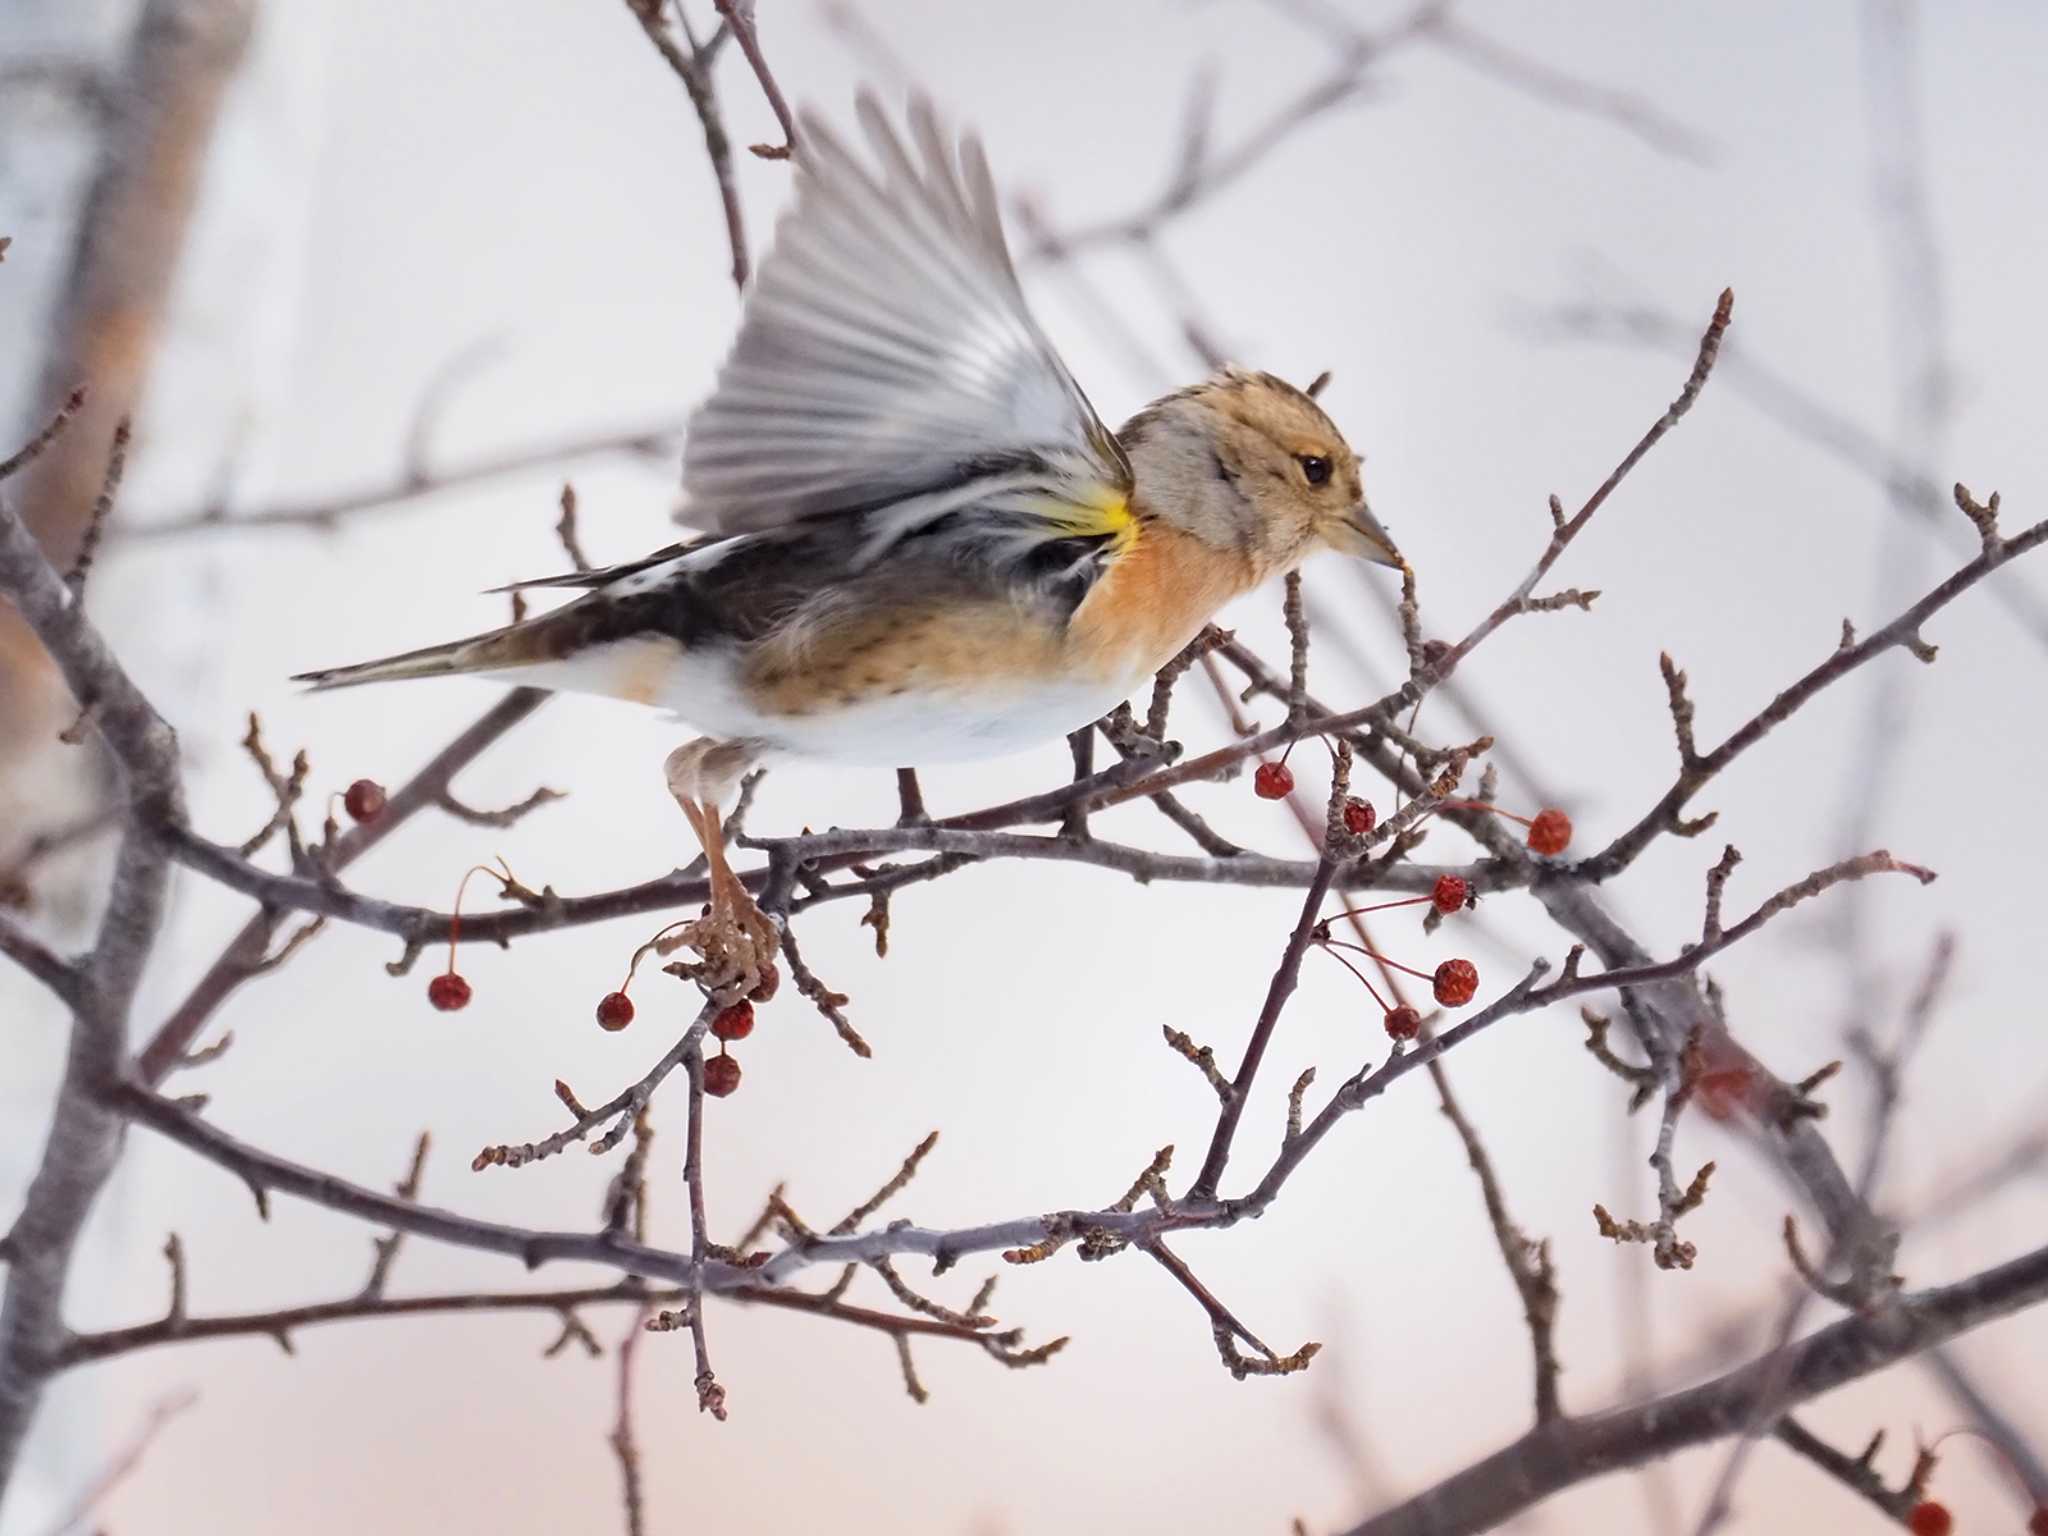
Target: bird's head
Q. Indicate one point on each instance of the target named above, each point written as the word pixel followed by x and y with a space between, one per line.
pixel 1246 461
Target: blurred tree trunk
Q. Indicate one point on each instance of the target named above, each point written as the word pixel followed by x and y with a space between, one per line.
pixel 153 116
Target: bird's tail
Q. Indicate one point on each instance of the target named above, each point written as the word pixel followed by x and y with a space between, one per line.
pixel 497 650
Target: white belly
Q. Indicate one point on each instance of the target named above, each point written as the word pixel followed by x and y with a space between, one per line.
pixel 940 727
pixel 903 730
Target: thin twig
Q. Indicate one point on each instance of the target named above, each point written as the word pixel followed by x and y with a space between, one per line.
pixel 1278 990
pixel 710 1395
pixel 102 508
pixel 881 1197
pixel 386 1247
pixel 692 68
pixel 739 15
pixel 122 1467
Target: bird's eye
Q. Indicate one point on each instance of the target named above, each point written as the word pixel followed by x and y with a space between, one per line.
pixel 1316 468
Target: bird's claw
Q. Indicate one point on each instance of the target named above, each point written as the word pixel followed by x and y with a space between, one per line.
pixel 737 943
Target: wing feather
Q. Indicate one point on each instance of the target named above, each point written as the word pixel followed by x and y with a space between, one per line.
pixel 887 365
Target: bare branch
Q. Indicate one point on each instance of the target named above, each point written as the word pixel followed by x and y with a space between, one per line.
pixel 1630 113
pixel 504 818
pixel 1297 646
pixel 739 16
pixel 123 1466
pixel 622 1107
pixel 1278 990
pixel 693 68
pixel 323 514
pixel 1436 668
pixel 911 799
pixel 1227 1329
pixel 1204 1059
pixel 78 1159
pixel 386 1247
pixel 1528 1262
pixel 881 1197
pixel 103 507
pixel 245 955
pixel 565 530
pixel 1858 1473
pixel 1902 632
pixel 39 960
pixel 1641 1080
pixel 1151 1182
pixel 1552 1457
pixel 34 449
pixel 829 1003
pixel 710 1395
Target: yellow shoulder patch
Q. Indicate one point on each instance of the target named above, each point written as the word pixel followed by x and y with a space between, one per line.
pixel 1102 512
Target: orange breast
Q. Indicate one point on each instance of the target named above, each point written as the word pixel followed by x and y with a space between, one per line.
pixel 1153 601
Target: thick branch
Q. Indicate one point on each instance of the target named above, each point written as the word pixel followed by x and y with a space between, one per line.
pixel 85 1130
pixel 1558 1455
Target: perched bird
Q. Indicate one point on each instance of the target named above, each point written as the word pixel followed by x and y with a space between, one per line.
pixel 919 541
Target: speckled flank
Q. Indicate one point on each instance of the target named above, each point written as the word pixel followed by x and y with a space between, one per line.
pixel 875 654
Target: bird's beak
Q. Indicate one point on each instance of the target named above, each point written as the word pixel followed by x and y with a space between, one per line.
pixel 1359 533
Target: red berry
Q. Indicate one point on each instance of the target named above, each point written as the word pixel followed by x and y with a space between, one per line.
pixel 1273 781
pixel 721 1076
pixel 1930 1519
pixel 614 1010
pixel 1359 817
pixel 1403 1023
pixel 448 992
pixel 1723 1092
pixel 2038 1524
pixel 1456 982
pixel 1451 893
pixel 364 800
pixel 736 1022
pixel 1551 831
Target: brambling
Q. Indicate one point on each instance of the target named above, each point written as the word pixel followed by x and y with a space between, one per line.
pixel 920 543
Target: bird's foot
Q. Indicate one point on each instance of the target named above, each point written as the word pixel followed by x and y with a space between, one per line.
pixel 736 943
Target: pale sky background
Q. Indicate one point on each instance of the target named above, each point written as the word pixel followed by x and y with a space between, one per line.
pixel 397 183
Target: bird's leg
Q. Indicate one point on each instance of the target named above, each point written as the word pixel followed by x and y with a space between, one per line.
pixel 724 883
pixel 694 814
pixel 737 940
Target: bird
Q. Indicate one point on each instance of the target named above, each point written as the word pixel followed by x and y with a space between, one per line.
pixel 916 540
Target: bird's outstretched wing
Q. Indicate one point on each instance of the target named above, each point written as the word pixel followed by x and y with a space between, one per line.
pixel 886 365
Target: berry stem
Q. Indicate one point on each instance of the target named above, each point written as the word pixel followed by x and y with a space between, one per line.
pixel 633 966
pixel 1382 906
pixel 455 917
pixel 1971 1431
pixel 1373 954
pixel 1354 970
pixel 1482 805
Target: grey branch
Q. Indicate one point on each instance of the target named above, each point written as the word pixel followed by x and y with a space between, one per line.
pixel 1556 1456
